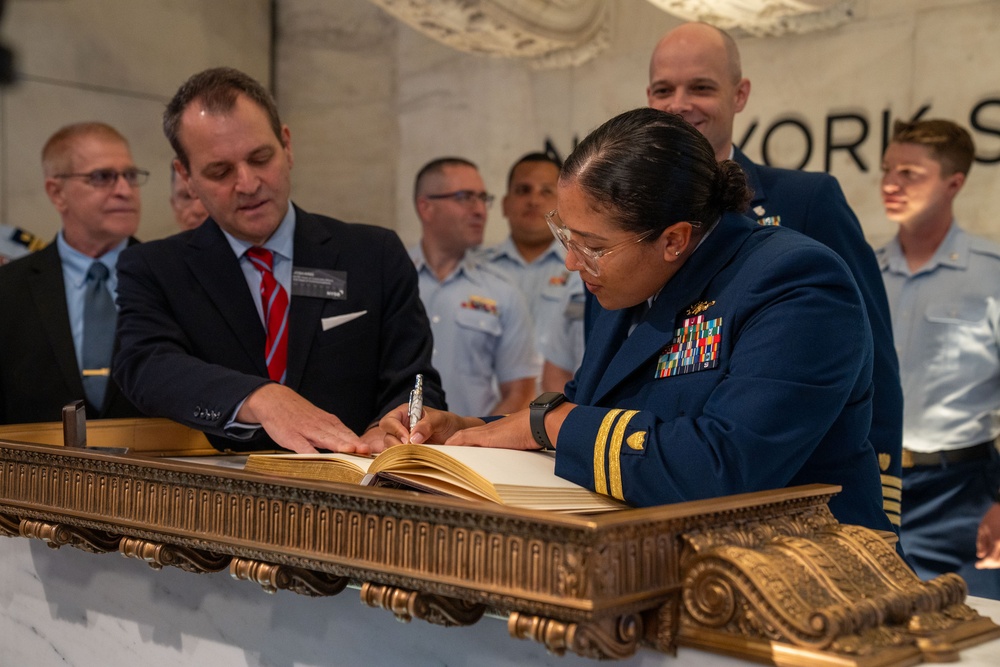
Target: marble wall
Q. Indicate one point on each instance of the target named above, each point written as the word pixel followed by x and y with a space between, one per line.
pixel 369 99
pixel 118 61
pixel 372 100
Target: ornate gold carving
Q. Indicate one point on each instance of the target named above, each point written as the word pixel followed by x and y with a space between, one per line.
pixel 407 605
pixel 56 535
pixel 771 576
pixel 273 577
pixel 836 591
pixel 157 554
pixel 10 526
pixel 613 638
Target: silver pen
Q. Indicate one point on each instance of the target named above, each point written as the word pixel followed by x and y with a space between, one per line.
pixel 416 407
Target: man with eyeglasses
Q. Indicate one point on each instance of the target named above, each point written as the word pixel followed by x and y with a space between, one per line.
pixel 266 326
pixel 57 333
pixel 483 338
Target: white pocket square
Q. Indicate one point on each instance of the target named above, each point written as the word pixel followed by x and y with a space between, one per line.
pixel 335 321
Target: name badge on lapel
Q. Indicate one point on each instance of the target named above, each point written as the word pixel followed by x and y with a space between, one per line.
pixel 695 346
pixel 319 283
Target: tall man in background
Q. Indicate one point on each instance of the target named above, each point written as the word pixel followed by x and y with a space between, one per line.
pixel 944 289
pixel 482 328
pixel 695 72
pixel 535 261
pixel 266 325
pixel 57 332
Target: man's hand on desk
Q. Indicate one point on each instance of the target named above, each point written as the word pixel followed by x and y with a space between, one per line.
pixel 296 424
pixel 988 540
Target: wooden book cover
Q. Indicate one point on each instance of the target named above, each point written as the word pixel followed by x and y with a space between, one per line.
pixel 508 477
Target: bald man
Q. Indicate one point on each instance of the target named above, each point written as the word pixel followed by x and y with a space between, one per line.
pixel 695 72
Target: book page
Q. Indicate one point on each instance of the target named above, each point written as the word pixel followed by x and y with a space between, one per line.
pixel 506 467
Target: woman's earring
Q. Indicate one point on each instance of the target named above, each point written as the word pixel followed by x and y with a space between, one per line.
pixel 677 253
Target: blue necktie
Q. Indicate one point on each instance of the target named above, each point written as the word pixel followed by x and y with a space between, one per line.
pixel 98 334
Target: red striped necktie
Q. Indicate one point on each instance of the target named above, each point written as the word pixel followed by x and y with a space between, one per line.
pixel 274 301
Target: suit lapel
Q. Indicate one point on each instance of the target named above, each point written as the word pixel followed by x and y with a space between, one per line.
pixel 656 330
pixel 49 295
pixel 314 248
pixel 217 270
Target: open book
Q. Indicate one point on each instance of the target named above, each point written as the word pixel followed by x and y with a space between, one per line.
pixel 505 476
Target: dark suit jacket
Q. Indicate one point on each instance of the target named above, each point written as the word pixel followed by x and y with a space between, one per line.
pixel 38 369
pixel 192 343
pixel 814 204
pixel 788 403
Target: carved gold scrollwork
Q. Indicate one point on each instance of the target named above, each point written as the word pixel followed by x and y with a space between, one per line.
pixel 613 638
pixel 10 526
pixel 407 605
pixel 56 535
pixel 157 554
pixel 840 591
pixel 272 578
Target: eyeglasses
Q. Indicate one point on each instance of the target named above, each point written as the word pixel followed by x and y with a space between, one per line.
pixel 107 178
pixel 588 256
pixel 465 197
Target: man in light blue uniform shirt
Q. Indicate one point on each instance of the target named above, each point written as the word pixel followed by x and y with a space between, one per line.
pixel 560 336
pixel 536 263
pixel 943 286
pixel 483 337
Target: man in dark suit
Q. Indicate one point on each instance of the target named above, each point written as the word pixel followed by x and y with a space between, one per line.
pixel 267 324
pixel 47 357
pixel 695 72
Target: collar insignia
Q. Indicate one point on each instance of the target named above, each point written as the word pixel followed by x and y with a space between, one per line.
pixel 699 308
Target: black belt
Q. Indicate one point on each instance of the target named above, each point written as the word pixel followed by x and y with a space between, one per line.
pixel 942 458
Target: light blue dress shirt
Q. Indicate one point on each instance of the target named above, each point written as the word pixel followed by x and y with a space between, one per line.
pixel 560 337
pixel 74 267
pixel 946 325
pixel 282 245
pixel 482 332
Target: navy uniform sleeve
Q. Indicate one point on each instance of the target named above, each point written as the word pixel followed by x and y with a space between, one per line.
pixel 797 371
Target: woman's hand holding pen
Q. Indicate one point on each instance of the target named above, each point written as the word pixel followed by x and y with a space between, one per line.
pixel 434 426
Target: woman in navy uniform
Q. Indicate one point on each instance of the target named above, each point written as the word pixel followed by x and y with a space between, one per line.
pixel 726 357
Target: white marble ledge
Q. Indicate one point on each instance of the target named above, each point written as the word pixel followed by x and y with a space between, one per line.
pixel 69 608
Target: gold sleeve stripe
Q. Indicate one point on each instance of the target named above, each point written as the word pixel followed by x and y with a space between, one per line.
pixel 889 493
pixel 894 482
pixel 891 507
pixel 615 454
pixel 600 445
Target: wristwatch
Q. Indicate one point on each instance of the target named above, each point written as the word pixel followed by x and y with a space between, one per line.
pixel 538 409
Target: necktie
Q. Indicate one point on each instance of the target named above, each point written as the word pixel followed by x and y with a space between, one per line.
pixel 274 302
pixel 98 334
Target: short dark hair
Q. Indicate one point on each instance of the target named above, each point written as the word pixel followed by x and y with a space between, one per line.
pixel 950 144
pixel 217 89
pixel 649 169
pixel 436 166
pixel 533 157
